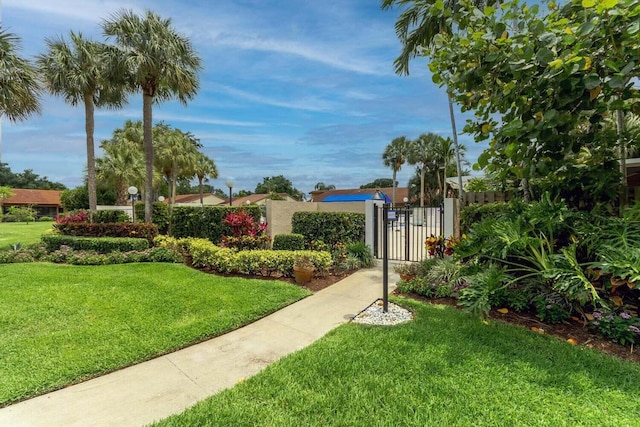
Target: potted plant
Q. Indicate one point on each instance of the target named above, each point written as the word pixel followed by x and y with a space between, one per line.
pixel 303 269
pixel 407 271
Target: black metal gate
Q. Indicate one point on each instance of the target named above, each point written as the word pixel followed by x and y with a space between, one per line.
pixel 407 229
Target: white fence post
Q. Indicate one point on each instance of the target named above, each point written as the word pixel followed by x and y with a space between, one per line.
pixel 449 217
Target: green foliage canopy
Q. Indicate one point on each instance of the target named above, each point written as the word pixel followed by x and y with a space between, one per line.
pixel 536 81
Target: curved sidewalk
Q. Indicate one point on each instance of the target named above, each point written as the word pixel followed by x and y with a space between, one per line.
pixel 155 389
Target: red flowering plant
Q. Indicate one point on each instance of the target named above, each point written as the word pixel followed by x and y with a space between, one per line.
pixel 73 217
pixel 246 233
pixel 439 246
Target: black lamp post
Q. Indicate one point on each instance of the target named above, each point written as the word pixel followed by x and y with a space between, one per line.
pixel 230 185
pixel 133 195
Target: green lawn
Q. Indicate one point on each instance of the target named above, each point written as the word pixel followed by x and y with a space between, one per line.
pixel 13 232
pixel 61 324
pixel 445 368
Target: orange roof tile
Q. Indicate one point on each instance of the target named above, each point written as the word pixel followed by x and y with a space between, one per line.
pixel 33 197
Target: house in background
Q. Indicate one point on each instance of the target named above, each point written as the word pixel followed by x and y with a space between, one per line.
pixel 45 202
pixel 208 199
pixel 360 195
pixel 258 199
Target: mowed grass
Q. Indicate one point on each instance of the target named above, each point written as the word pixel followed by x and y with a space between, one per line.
pixel 61 324
pixel 14 232
pixel 445 368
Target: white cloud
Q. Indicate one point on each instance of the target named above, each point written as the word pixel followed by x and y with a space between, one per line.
pixel 330 55
pixel 86 10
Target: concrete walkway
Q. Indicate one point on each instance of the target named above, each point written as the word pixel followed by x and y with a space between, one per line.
pixel 153 390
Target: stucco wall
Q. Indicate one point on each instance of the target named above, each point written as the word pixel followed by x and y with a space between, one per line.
pixel 279 213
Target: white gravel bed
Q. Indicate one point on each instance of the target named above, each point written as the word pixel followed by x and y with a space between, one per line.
pixel 373 315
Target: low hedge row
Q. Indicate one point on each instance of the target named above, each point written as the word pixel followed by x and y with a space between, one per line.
pixel 102 245
pixel 205 254
pixel 288 242
pixel 121 229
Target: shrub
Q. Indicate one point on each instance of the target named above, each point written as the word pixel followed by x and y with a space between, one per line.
pixel 330 227
pixel 73 217
pixel 121 229
pixel 159 215
pixel 258 262
pixel 246 233
pixel 103 245
pixel 621 327
pixel 20 214
pixel 111 216
pixel 288 242
pixel 551 310
pixel 205 222
pixel 45 218
pixel 362 253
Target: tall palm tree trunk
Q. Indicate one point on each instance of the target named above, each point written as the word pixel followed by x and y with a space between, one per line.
pixel 91 157
pixel 422 173
pixel 147 115
pixel 393 188
pixel 457 147
pixel 201 192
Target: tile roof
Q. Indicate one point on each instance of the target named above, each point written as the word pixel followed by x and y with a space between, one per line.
pixel 33 197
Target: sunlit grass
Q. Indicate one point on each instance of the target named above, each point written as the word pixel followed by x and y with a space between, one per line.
pixel 61 324
pixel 445 368
pixel 14 232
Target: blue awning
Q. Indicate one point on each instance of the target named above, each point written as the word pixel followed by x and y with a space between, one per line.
pixel 356 197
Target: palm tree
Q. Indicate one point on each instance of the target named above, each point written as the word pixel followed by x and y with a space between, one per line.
pixel 422 153
pixel 321 186
pixel 416 28
pixel 444 154
pixel 19 87
pixel 77 71
pixel 161 63
pixel 204 169
pixel 121 166
pixel 176 155
pixel 394 156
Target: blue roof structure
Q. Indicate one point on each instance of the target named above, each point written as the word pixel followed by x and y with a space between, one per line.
pixel 357 197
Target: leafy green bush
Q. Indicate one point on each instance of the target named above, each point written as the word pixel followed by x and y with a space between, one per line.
pixel 122 229
pixel 362 253
pixel 45 218
pixel 205 222
pixel 102 245
pixel 259 262
pixel 474 213
pixel 620 327
pixel 159 215
pixel 288 242
pixel 68 255
pixel 111 216
pixel 330 227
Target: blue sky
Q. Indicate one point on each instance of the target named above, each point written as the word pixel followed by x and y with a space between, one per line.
pixel 304 89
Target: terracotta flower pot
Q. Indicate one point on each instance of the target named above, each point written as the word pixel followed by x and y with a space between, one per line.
pixel 302 274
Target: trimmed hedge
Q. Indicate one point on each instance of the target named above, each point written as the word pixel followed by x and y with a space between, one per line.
pixel 121 229
pixel 102 245
pixel 159 215
pixel 206 222
pixel 205 254
pixel 330 227
pixel 288 242
pixel 111 217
